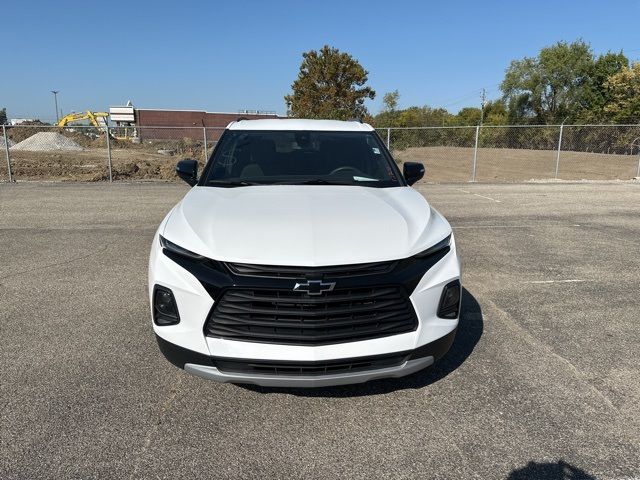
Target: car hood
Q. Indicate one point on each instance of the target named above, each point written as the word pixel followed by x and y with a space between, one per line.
pixel 305 225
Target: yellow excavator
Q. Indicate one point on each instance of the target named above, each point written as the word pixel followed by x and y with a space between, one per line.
pixel 97 119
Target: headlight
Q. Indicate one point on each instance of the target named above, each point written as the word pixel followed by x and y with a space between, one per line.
pixel 172 247
pixel 441 245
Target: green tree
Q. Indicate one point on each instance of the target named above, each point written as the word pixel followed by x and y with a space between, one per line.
pixel 468 116
pixel 330 84
pixel 548 88
pixel 388 117
pixel 415 117
pixel 495 113
pixel 3 116
pixel 422 117
pixel 390 101
pixel 596 95
pixel 624 93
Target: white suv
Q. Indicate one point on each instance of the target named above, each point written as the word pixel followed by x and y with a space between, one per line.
pixel 302 257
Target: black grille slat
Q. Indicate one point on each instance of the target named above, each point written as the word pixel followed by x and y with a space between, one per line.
pixel 318 317
pixel 225 308
pixel 278 323
pixel 334 271
pixel 310 368
pixel 291 317
pixel 367 294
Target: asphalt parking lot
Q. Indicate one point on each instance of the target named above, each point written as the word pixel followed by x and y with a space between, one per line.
pixel 543 380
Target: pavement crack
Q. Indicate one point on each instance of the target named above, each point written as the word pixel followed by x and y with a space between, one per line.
pixel 55 264
pixel 526 336
pixel 154 427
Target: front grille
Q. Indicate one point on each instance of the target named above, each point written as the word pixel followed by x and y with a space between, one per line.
pixel 292 317
pixel 334 271
pixel 348 365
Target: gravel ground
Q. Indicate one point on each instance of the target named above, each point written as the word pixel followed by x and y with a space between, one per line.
pixel 46 141
pixel 10 142
pixel 542 380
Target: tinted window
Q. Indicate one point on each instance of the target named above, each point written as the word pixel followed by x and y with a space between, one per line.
pixel 301 157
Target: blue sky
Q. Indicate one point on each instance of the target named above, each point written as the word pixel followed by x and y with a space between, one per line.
pixel 226 56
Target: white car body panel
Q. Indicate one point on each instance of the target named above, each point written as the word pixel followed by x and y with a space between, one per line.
pixel 305 225
pixel 298 124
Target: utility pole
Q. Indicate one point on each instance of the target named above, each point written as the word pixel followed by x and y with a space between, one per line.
pixel 483 98
pixel 55 98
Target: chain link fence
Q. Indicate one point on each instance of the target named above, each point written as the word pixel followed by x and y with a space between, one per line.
pixel 519 153
pixel 450 154
pixel 87 153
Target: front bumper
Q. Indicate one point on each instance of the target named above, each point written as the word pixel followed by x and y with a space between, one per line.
pixel 206 367
pixel 194 287
pixel 212 373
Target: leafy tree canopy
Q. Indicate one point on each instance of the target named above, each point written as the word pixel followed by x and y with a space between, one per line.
pixel 623 90
pixel 469 116
pixel 331 85
pixel 495 113
pixel 595 94
pixel 422 116
pixel 390 101
pixel 547 89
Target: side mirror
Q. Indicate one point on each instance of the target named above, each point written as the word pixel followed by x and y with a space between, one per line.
pixel 412 172
pixel 187 170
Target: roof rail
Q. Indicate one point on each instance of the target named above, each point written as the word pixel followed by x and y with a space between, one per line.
pixel 239 119
pixel 359 120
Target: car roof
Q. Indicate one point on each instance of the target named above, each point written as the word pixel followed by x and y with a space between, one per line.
pixel 300 124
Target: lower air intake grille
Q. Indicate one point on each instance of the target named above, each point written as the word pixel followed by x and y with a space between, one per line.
pixel 349 365
pixel 291 317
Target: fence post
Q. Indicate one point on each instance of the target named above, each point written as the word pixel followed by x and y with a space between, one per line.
pixel 638 172
pixel 475 154
pixel 109 152
pixel 389 139
pixel 6 149
pixel 559 148
pixel 204 134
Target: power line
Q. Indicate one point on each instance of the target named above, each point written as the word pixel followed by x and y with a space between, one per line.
pixel 470 95
pixel 461 100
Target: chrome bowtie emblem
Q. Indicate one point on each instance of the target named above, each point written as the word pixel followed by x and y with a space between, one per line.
pixel 314 287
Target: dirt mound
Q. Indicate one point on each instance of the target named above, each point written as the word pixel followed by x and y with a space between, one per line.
pixel 90 164
pixel 47 141
pixel 86 137
pixel 9 141
pixel 23 131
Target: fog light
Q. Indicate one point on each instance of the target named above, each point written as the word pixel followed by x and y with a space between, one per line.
pixel 450 300
pixel 165 310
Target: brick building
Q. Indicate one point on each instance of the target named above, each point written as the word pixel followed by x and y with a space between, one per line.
pixel 190 121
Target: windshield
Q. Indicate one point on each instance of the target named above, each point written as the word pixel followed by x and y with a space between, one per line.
pixel 301 158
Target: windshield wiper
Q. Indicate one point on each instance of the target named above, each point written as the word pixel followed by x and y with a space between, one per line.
pixel 232 183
